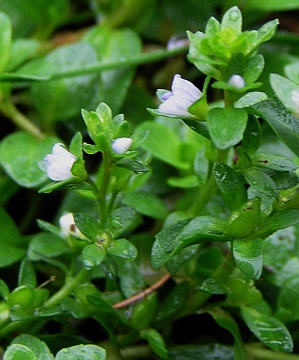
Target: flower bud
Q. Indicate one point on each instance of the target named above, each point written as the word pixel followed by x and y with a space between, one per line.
pixel 121 145
pixel 59 163
pixel 236 81
pixel 182 95
pixel 68 226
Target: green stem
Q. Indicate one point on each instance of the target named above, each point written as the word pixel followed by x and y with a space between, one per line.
pixel 69 286
pixel 10 111
pixel 209 188
pixel 136 60
pixel 258 353
pixel 103 187
pixel 66 290
pixel 226 267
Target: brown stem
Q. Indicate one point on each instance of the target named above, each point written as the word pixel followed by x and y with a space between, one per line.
pixel 142 294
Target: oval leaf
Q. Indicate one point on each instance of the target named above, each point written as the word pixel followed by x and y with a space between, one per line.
pixel 268 330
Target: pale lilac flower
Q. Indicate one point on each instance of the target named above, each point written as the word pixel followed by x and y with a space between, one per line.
pixel 121 145
pixel 182 95
pixel 236 81
pixel 68 226
pixel 59 163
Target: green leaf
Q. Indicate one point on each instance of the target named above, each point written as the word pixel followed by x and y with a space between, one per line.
pixel 285 125
pixel 123 248
pixel 4 290
pixel 79 352
pixel 248 257
pixel 88 225
pixel 20 154
pixel 173 239
pixel 163 143
pixel 245 220
pixel 27 274
pixel 113 45
pixel 268 330
pixel 123 220
pixel 10 240
pixel 155 341
pixel 147 204
pixel 143 313
pixel 283 88
pixel 225 320
pixel 50 97
pixel 21 50
pixel 261 181
pixel 174 302
pixel 287 301
pixel 250 98
pixel 231 186
pixel 19 352
pixel 46 245
pixel 92 256
pixel 39 348
pixel 5 39
pixel 232 19
pixel 133 165
pixel 226 126
pixel 281 220
pixel 275 162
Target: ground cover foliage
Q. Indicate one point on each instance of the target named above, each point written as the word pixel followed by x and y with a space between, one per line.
pixel 149 202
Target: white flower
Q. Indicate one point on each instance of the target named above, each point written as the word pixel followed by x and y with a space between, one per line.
pixel 236 81
pixel 68 226
pixel 59 163
pixel 121 145
pixel 182 95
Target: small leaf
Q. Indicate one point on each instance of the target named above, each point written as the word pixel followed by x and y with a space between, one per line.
pixel 123 248
pixel 11 241
pixel 245 220
pixel 226 126
pixel 163 143
pixel 248 257
pixel 261 182
pixel 19 352
pixel 232 19
pixel 155 341
pixel 27 275
pixel 285 125
pixel 147 204
pixel 92 256
pixel 40 349
pixel 275 162
pixel 268 330
pixel 171 240
pixel 88 225
pixel 231 186
pixel 225 320
pixel 79 352
pixel 46 245
pixel 20 154
pixel 5 39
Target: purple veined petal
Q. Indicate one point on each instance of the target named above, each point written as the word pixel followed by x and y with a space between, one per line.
pixel 174 106
pixel 167 95
pixel 59 163
pixel 185 88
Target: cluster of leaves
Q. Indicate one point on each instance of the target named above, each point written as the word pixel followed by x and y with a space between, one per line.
pixel 208 202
